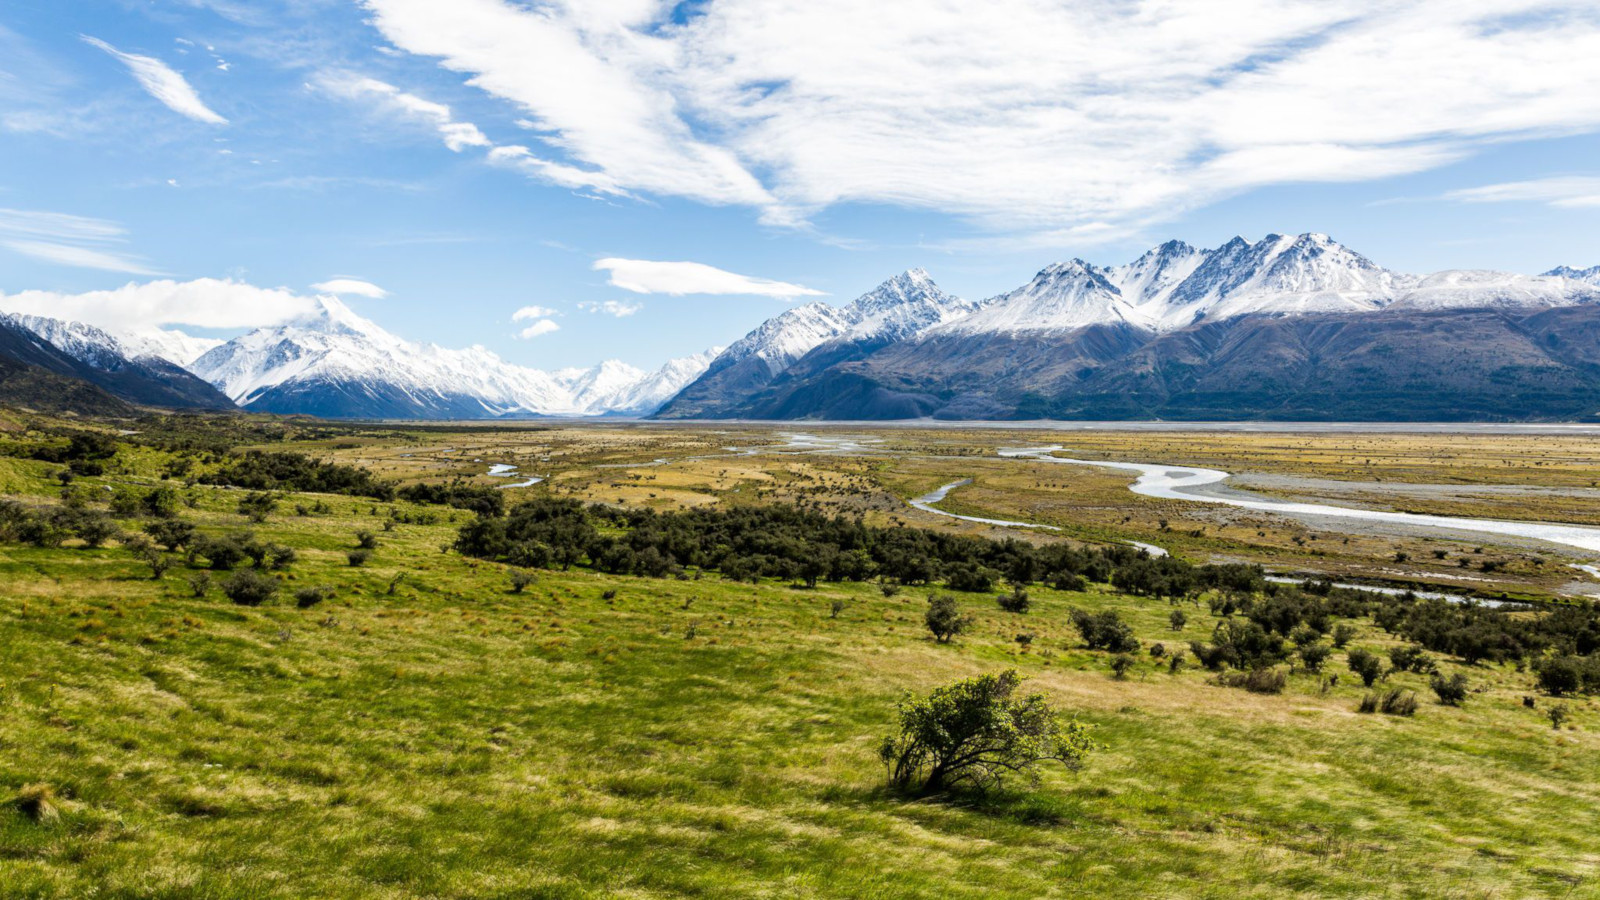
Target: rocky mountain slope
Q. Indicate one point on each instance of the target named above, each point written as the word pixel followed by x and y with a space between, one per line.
pixel 127 371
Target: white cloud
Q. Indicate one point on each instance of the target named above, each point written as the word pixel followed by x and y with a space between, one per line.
pixel 203 302
pixel 80 257
pixel 1029 116
pixel 1570 191
pixel 163 83
pixel 615 308
pixel 456 135
pixel 68 240
pixel 350 286
pixel 533 312
pixel 643 276
pixel 542 326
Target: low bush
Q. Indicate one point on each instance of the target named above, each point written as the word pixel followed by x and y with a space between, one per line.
pixel 1451 691
pixel 250 588
pixel 977 732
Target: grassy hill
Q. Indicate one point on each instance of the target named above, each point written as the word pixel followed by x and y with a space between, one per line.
pixel 600 736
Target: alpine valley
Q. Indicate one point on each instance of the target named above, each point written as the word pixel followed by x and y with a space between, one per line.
pixel 1284 328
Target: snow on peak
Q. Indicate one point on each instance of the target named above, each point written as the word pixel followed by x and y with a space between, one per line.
pixel 331 344
pixel 900 307
pixel 1176 285
pixel 1590 275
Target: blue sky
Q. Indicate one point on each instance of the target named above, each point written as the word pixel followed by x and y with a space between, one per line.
pixel 474 158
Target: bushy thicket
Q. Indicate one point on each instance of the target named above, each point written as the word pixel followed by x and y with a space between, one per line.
pixel 481 499
pixel 258 470
pixel 774 541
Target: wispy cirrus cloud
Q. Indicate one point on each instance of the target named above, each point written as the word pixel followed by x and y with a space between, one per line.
pixel 1040 118
pixel 645 276
pixel 69 240
pixel 162 82
pixel 457 135
pixel 1564 191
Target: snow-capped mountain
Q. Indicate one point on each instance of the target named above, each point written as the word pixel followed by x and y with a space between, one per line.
pixel 1590 275
pixel 1286 325
pixel 615 388
pixel 174 346
pixel 127 368
pixel 1175 285
pixel 332 362
pixel 896 310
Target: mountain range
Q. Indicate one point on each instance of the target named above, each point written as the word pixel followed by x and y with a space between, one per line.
pixel 1287 327
pixel 329 362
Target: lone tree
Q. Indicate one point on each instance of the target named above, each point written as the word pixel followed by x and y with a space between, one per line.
pixel 976 732
pixel 944 618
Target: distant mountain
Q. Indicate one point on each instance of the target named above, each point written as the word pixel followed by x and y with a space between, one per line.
pixel 1590 275
pixel 130 373
pixel 896 310
pixel 1284 327
pixel 335 364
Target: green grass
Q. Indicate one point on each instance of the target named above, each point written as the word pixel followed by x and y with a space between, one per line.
pixel 456 740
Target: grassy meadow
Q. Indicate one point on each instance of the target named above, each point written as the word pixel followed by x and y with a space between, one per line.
pixel 428 732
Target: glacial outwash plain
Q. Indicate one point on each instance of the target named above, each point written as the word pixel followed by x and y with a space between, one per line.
pixel 379 691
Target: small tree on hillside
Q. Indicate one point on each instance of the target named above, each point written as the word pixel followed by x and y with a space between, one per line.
pixel 977 732
pixel 944 618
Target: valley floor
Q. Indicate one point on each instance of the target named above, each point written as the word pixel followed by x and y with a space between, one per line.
pixel 607 736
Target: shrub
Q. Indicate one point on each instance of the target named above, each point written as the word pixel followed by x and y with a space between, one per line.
pixel 1369 704
pixel 1175 663
pixel 170 533
pixel 358 558
pixel 307 597
pixel 520 579
pixel 889 589
pixel 1178 619
pixel 977 732
pixel 1120 665
pixel 1398 702
pixel 1343 634
pixel 158 562
pixel 1104 631
pixel 971 578
pixel 1016 601
pixel 200 583
pixel 1451 690
pixel 1410 658
pixel 1558 715
pixel 1242 645
pixel 1567 674
pixel 366 540
pixel 944 618
pixel 219 552
pixel 257 505
pixel 835 608
pixel 279 557
pixel 249 587
pixel 1365 664
pixel 1257 681
pixel 1312 656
